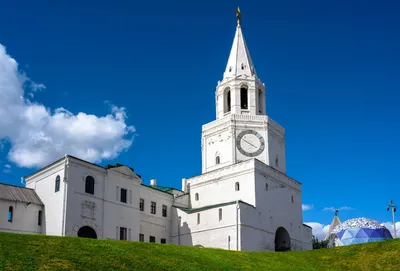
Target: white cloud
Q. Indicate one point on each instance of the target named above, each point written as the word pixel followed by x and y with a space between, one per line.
pixel 344 208
pixel 39 135
pixel 7 168
pixel 389 226
pixel 307 207
pixel 318 230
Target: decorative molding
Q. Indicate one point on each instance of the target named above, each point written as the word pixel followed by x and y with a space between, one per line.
pixel 88 209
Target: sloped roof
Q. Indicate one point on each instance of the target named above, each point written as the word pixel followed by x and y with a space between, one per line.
pixel 239 61
pixel 335 222
pixel 19 194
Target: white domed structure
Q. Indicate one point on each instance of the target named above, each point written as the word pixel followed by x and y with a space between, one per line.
pixel 357 231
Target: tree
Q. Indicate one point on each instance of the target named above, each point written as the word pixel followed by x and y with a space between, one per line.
pixel 319 244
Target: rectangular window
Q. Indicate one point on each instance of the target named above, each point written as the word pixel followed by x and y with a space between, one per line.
pixel 152 239
pixel 220 214
pixel 141 205
pixel 164 210
pixel 153 207
pixel 163 241
pixel 122 233
pixel 141 237
pixel 10 213
pixel 198 219
pixel 123 195
pixel 39 222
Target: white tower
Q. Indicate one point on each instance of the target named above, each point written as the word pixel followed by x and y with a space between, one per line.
pixel 241 130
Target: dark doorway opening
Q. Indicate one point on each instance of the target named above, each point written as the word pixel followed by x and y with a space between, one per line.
pixel 87 232
pixel 282 240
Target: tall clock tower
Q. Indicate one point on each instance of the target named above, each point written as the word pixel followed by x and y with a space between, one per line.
pixel 242 130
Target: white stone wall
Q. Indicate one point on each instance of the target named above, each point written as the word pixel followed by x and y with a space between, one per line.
pixel 218 186
pixel 273 209
pixel 84 209
pixel 24 219
pixel 44 184
pixel 155 224
pixel 210 232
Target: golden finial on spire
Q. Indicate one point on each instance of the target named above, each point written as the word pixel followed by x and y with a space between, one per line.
pixel 238 15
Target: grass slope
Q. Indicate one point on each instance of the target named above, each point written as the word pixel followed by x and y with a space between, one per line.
pixel 38 252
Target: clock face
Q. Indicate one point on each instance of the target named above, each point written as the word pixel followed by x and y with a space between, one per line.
pixel 250 143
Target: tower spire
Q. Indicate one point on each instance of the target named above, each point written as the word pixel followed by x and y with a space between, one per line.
pixel 239 61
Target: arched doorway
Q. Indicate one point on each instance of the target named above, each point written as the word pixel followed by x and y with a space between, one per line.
pixel 87 232
pixel 282 240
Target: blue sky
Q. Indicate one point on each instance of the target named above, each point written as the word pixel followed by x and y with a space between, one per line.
pixel 331 71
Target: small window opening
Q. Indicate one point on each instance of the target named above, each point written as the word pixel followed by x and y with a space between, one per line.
pixel 10 213
pixel 57 183
pixel 141 237
pixel 242 66
pixel 230 69
pixel 217 160
pixel 196 196
pixel 198 219
pixel 260 101
pixel 163 241
pixel 277 162
pixel 227 107
pixel 39 218
pixel 292 199
pixel 266 186
pixel 164 210
pixel 243 98
pixel 152 239
pixel 141 205
pixel 89 185
pixel 153 208
pixel 220 214
pixel 237 186
pixel 123 195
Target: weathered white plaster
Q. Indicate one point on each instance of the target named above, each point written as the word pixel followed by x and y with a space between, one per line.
pixel 24 217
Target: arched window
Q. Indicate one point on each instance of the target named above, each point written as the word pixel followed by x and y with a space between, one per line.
pixel 196 196
pixel 57 184
pixel 89 185
pixel 237 186
pixel 243 97
pixel 220 214
pixel 217 160
pixel 260 101
pixel 227 100
pixel 266 186
pixel 10 213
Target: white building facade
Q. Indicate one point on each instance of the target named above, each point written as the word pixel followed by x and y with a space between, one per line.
pixel 243 200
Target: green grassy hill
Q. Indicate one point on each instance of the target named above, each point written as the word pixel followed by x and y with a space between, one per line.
pixel 38 252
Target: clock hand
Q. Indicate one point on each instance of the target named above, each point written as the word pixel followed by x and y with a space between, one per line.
pixel 249 143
